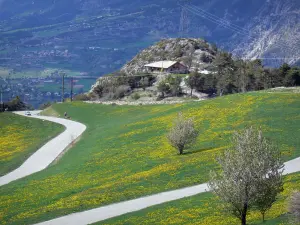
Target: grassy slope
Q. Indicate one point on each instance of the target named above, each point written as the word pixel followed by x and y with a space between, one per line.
pixel 206 209
pixel 20 137
pixel 124 153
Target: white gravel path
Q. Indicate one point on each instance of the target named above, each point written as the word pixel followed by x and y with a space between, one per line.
pixel 43 157
pixel 117 209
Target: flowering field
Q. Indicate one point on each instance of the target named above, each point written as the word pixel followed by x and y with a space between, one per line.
pixel 206 209
pixel 124 153
pixel 20 137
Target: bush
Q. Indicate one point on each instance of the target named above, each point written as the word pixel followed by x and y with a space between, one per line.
pixel 121 91
pixel 45 105
pixel 82 97
pixel 135 96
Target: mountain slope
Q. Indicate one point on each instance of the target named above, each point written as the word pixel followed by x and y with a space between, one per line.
pixel 273 33
pixel 100 36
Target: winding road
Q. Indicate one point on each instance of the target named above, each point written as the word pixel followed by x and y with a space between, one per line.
pixel 43 157
pixel 49 152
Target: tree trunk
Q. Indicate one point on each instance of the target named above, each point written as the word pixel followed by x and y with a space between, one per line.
pixel 191 92
pixel 180 150
pixel 244 214
pixel 263 217
pixel 244 219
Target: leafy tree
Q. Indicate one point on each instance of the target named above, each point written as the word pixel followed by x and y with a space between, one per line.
pixel 16 105
pixel 182 133
pixel 193 81
pixel 224 66
pixel 267 193
pixel 144 83
pixel 163 88
pixel 174 84
pixel 283 71
pixel 242 78
pixel 248 171
pixel 292 77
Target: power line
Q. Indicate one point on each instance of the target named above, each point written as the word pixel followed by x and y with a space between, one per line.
pixel 184 20
pixel 235 28
pixel 223 21
pixel 214 20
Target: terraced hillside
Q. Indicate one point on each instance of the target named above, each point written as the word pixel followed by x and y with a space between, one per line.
pixel 124 153
pixel 20 137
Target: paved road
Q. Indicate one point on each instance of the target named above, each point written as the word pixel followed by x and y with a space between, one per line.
pixel 117 209
pixel 43 157
pixel 51 150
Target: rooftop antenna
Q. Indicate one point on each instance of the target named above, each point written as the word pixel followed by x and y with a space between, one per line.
pixel 184 18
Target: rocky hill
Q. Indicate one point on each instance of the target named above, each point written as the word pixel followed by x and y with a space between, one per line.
pixel 189 51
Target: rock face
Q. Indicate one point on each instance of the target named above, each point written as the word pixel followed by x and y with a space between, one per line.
pixel 189 51
pixel 273 34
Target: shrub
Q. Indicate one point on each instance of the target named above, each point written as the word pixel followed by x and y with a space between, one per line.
pixel 45 105
pixel 135 96
pixel 82 97
pixel 121 91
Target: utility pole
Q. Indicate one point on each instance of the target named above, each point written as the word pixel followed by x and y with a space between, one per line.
pixel 71 89
pixel 1 100
pixel 63 88
pixel 184 19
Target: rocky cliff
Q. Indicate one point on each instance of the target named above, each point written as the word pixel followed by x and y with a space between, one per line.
pixel 191 52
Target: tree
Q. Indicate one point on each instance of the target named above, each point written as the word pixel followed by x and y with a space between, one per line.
pixel 144 83
pixel 267 193
pixel 248 171
pixel 292 77
pixel 193 81
pixel 182 134
pixel 294 206
pixel 17 105
pixel 163 87
pixel 174 84
pixel 224 66
pixel 242 79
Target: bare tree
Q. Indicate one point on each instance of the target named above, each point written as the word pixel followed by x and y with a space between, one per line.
pixel 182 134
pixel 248 171
pixel 294 206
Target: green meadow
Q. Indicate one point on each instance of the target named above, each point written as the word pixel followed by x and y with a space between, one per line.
pixel 20 137
pixel 206 209
pixel 124 153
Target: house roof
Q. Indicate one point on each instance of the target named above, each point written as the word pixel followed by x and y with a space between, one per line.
pixel 162 64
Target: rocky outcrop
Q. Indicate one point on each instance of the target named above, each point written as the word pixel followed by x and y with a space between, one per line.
pixel 191 52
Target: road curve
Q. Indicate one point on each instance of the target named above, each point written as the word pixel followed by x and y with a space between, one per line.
pixel 49 152
pixel 117 209
pixel 44 156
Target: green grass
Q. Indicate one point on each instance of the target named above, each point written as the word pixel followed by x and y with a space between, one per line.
pixel 124 153
pixel 206 209
pixel 20 137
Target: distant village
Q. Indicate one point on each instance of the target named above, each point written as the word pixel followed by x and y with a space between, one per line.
pixel 36 91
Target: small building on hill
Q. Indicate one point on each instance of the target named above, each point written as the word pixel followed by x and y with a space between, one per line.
pixel 166 67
